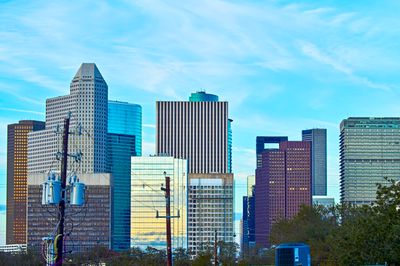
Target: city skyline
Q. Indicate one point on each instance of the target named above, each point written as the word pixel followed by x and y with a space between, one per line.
pixel 279 77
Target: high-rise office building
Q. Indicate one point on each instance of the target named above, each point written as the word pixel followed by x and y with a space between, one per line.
pixel 317 137
pixel 124 132
pixel 264 143
pixel 210 209
pixel 369 152
pixel 248 216
pixel 84 227
pixel 126 119
pixel 87 104
pixel 17 178
pixel 283 184
pixel 198 130
pixel 147 199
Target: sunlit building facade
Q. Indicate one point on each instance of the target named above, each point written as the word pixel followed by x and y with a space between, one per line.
pixel 147 198
pixel 369 152
pixel 87 105
pixel 210 209
pixel 126 119
pixel 124 135
pixel 17 178
pixel 198 130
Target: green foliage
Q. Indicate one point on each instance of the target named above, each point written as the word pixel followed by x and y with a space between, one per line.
pixel 348 234
pixel 30 258
pixel 341 235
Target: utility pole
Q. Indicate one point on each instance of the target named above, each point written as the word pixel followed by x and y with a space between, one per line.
pixel 215 249
pixel 168 217
pixel 61 206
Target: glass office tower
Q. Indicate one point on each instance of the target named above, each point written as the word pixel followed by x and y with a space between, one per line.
pixel 147 198
pixel 123 138
pixel 317 137
pixel 126 119
pixel 369 152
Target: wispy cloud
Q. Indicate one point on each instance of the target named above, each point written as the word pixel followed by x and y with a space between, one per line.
pixel 21 111
pixel 316 54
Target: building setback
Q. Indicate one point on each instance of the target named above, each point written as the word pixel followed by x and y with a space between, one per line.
pixel 264 143
pixel 283 184
pixel 369 152
pixel 17 179
pixel 124 132
pixel 87 104
pixel 317 137
pixel 148 175
pixel 84 227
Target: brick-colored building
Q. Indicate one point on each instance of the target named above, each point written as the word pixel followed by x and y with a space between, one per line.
pixel 85 227
pixel 17 165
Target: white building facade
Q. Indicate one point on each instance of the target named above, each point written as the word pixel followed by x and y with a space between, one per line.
pixel 87 104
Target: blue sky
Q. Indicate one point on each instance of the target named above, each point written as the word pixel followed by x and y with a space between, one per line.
pixel 283 66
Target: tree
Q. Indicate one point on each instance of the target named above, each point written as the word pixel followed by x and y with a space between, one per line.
pixel 227 253
pixel 181 257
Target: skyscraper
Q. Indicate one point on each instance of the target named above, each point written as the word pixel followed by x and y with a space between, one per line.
pixel 88 105
pixel 264 143
pixel 147 198
pixel 283 184
pixel 17 178
pixel 124 132
pixel 369 152
pixel 317 137
pixel 197 130
pixel 126 119
pixel 248 217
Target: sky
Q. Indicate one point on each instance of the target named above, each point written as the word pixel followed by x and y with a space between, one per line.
pixel 283 66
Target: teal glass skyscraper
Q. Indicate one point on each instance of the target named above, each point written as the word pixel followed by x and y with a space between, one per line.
pixel 369 152
pixel 123 141
pixel 126 119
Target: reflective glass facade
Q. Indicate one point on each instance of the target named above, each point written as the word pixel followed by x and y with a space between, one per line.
pixel 120 149
pixel 202 96
pixel 126 119
pixel 317 137
pixel 369 151
pixel 147 178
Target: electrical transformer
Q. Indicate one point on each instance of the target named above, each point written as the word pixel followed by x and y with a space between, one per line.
pixel 77 192
pixel 51 190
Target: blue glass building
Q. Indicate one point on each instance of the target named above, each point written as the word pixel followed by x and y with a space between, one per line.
pixel 126 119
pixel 123 141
